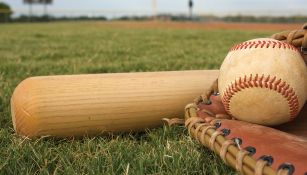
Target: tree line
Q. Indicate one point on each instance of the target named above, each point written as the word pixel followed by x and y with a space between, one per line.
pixel 6 16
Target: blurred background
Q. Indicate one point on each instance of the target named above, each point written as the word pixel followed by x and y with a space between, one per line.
pixel 179 10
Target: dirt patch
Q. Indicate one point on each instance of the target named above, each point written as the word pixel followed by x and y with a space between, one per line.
pixel 203 25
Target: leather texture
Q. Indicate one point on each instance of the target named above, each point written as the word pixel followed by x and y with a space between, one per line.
pixel 276 142
pixel 297 38
pixel 283 147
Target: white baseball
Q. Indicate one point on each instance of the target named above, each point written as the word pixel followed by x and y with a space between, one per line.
pixel 263 81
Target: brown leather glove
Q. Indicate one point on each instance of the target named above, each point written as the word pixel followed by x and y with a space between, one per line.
pixel 250 148
pixel 208 122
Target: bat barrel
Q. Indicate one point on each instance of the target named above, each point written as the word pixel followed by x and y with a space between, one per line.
pixel 78 105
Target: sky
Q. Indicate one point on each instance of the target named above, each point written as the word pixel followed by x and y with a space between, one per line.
pixel 115 8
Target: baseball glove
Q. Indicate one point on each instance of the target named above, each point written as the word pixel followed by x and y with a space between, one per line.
pixel 249 148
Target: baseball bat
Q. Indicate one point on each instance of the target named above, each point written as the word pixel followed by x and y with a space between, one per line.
pixel 80 105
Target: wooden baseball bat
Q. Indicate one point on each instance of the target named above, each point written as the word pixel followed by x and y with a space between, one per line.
pixel 79 105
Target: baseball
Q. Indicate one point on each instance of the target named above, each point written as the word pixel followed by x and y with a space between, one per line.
pixel 263 81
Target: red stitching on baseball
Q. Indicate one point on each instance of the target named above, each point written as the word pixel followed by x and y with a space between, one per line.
pixel 263 44
pixel 262 81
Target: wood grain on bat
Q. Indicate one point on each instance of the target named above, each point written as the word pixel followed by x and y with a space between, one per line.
pixel 77 105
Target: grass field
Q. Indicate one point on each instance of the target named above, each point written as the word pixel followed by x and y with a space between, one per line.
pixel 93 47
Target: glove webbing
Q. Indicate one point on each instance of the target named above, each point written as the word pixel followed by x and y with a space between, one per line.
pixel 228 149
pixel 298 38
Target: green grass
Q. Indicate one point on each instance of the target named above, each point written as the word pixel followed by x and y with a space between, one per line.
pixel 77 48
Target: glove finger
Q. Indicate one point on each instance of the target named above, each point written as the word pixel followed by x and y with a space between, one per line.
pixel 283 147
